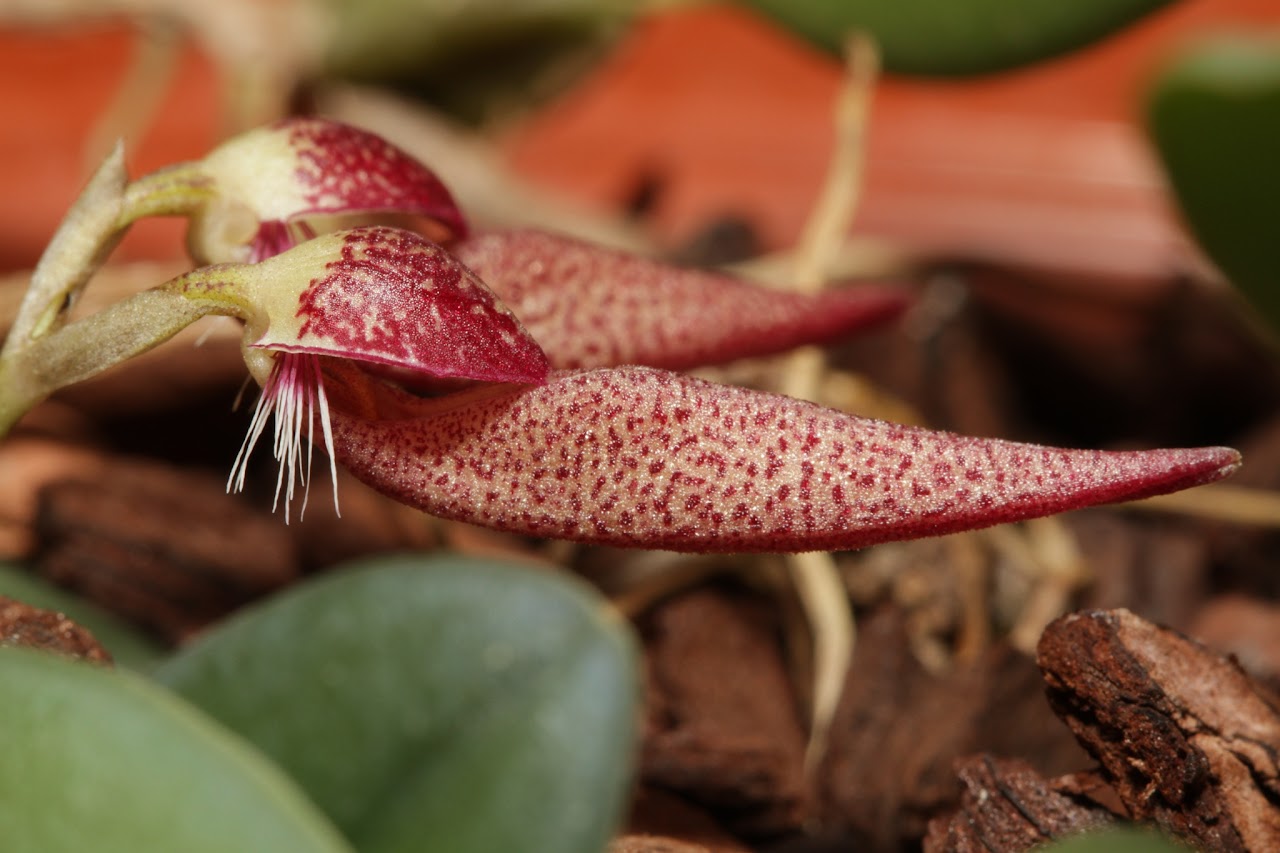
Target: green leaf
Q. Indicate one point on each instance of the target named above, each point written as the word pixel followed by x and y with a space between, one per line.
pixel 381 38
pixel 434 704
pixel 98 759
pixel 1215 118
pixel 475 58
pixel 128 646
pixel 1124 839
pixel 946 37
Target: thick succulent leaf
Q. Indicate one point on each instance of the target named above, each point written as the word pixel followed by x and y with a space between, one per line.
pixel 589 306
pixel 1215 118
pixel 958 36
pixel 380 295
pixel 434 704
pixel 102 760
pixel 301 167
pixel 644 458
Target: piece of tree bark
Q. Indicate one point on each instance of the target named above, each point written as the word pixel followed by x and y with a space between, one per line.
pixel 899 730
pixel 1247 629
pixel 1147 564
pixel 24 625
pixel 661 821
pixel 164 547
pixel 1008 807
pixel 722 727
pixel 1186 737
pixel 654 844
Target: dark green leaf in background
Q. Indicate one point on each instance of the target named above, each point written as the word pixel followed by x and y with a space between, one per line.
pixel 947 37
pixel 100 760
pixel 1215 118
pixel 435 704
pixel 380 38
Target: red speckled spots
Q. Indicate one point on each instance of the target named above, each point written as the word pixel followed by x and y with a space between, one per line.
pixel 593 307
pixel 393 297
pixel 703 497
pixel 343 169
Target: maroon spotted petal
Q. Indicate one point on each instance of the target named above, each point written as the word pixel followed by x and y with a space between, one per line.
pixel 387 296
pixel 645 458
pixel 344 169
pixel 594 307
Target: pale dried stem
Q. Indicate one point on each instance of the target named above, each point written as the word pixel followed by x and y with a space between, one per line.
pixel 859 256
pixel 971 565
pixel 672 574
pixel 1219 502
pixel 138 97
pixel 262 49
pixel 491 193
pixel 819 588
pixel 824 233
pixel 1047 551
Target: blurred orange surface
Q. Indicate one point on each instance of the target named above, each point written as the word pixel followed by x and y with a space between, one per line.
pixel 57 84
pixel 724 114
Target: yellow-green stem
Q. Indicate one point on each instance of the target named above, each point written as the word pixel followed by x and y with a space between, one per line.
pixel 30 373
pixel 178 190
pixel 81 243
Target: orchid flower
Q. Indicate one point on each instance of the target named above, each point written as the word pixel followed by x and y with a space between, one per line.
pixel 384 297
pixel 630 456
pixel 624 456
pixel 263 191
pixel 268 189
pixel 378 295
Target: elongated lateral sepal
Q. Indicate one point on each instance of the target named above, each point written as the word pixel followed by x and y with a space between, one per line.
pixel 643 458
pixel 595 307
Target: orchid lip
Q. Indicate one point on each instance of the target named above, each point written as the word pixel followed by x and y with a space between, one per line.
pixel 294 394
pixel 275 236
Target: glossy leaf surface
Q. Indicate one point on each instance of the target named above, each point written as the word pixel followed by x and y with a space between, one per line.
pixel 443 704
pixel 594 307
pixel 958 36
pixel 101 760
pixel 1215 118
pixel 645 458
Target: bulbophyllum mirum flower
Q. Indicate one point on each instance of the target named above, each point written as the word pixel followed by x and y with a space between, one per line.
pixel 636 457
pixel 264 191
pixel 376 295
pixel 626 456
